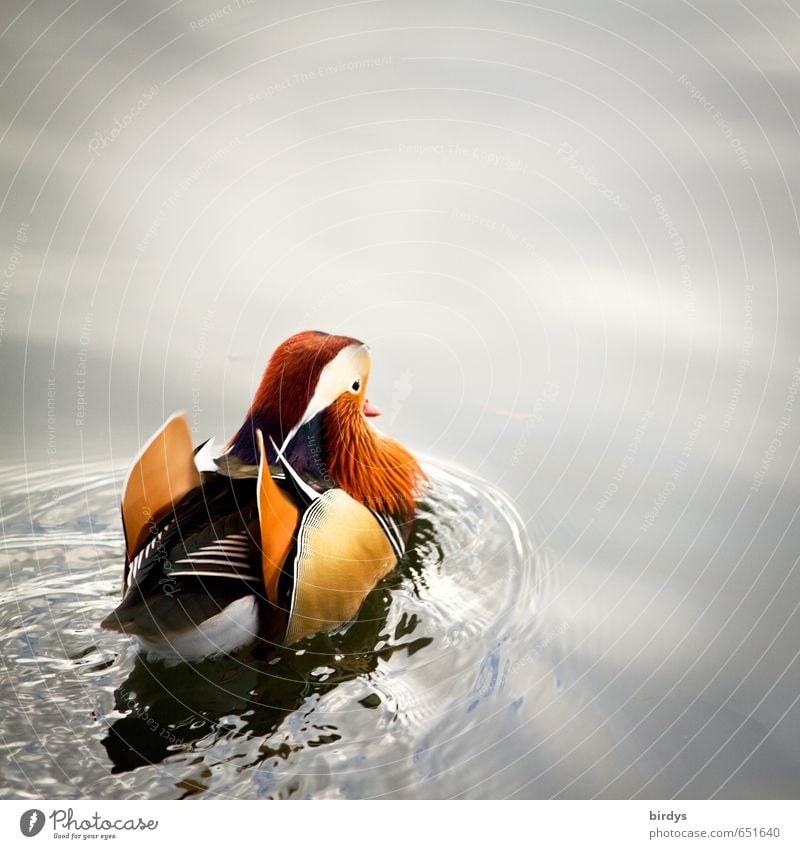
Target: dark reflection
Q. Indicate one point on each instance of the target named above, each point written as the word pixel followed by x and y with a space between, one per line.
pixel 170 709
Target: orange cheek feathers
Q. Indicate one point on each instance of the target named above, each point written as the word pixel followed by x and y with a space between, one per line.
pixel 373 469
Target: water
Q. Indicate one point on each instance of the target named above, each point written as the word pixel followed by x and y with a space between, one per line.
pixel 570 237
pixel 433 654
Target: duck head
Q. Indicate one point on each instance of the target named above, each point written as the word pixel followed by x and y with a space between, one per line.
pixel 312 403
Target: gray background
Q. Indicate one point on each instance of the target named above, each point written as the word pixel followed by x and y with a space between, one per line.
pixel 569 233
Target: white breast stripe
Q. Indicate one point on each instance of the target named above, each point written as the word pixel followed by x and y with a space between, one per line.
pixel 394 526
pixel 312 494
pixel 310 516
pixel 392 532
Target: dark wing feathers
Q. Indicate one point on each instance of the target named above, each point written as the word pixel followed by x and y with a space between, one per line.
pixel 182 606
pixel 206 553
pixel 198 559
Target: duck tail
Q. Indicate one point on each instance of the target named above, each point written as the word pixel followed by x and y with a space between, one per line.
pixel 163 472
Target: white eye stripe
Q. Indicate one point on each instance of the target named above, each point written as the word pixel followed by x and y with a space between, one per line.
pixel 335 378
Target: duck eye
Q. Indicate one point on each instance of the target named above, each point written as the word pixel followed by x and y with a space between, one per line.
pixel 356 384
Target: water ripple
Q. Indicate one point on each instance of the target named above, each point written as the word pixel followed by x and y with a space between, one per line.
pixel 367 710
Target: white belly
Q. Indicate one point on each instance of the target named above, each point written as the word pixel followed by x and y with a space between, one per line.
pixel 232 628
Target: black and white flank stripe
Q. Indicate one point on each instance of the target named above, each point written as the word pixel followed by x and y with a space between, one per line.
pixel 228 557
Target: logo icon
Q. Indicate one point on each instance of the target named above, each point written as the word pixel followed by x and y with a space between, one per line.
pixel 31 822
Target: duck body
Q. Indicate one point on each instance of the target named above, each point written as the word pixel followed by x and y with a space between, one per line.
pixel 270 540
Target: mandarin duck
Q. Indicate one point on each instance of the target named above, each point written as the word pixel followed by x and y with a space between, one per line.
pixel 284 533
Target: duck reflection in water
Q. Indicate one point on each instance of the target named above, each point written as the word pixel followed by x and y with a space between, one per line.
pixel 172 710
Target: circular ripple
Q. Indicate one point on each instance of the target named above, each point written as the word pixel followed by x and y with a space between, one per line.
pixel 438 662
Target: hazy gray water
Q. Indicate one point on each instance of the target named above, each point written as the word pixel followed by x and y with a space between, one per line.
pixel 570 237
